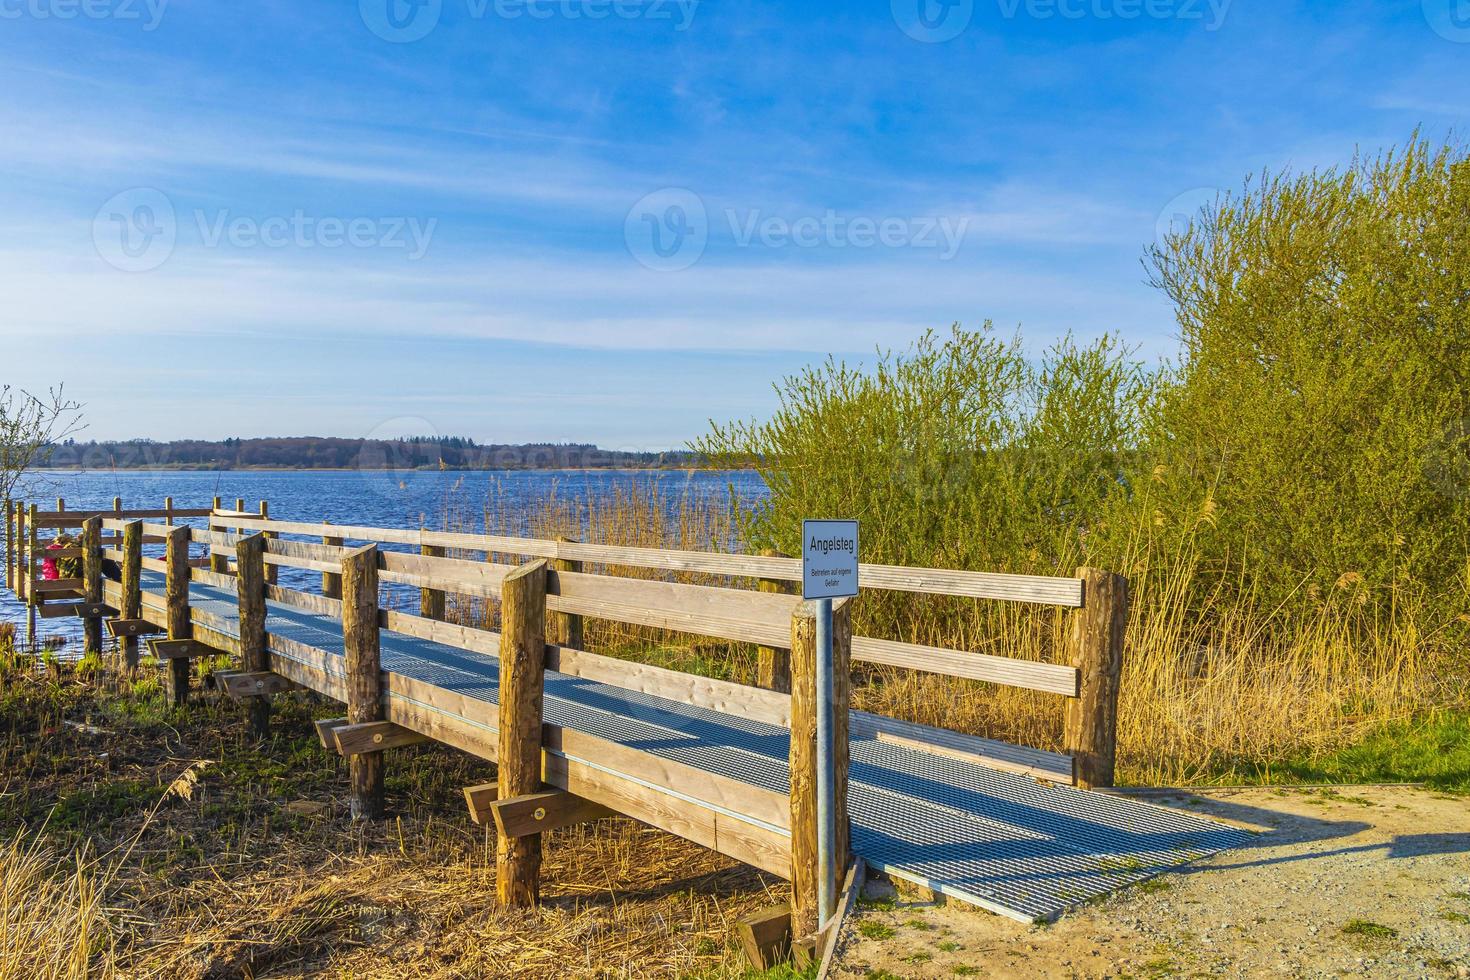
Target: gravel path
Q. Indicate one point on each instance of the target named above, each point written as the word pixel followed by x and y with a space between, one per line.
pixel 1361 881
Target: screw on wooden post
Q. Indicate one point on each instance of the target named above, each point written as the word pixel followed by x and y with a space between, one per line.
pixel 91 541
pixel 805 916
pixel 1097 631
pixel 773 666
pixel 364 674
pixel 176 604
pixel 522 667
pixel 250 589
pixel 132 587
pixel 565 629
pixel 332 581
pixel 265 515
pixel 431 601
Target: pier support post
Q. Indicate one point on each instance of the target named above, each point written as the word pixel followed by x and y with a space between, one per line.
pixel 132 588
pixel 565 629
pixel 9 544
pixel 522 663
pixel 431 601
pixel 250 588
pixel 331 581
pixel 364 674
pixel 1096 641
pixel 33 549
pixel 773 666
pixel 176 603
pixel 219 560
pixel 91 542
pixel 806 917
pixel 265 515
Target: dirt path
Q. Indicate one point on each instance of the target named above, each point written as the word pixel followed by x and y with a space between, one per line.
pixel 1358 881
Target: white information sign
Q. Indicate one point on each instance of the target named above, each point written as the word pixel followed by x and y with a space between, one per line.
pixel 829 559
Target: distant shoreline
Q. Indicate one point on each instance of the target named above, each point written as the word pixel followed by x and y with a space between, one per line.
pixel 393 469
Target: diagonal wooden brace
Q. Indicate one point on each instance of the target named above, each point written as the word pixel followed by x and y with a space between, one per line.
pixel 374 736
pixel 324 729
pixel 132 627
pixel 182 649
pixel 479 799
pixel 241 684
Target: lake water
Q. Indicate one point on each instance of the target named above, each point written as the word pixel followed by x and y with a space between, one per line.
pixel 408 499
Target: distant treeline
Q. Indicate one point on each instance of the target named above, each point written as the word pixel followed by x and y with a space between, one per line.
pixel 320 453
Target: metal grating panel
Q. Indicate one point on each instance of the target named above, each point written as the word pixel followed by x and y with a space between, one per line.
pixel 1006 842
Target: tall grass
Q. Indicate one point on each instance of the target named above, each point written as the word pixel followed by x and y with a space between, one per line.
pixel 1214 687
pixel 53 925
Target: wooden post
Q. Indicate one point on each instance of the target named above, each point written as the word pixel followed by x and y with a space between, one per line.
pixel 522 664
pixel 332 581
pixel 250 588
pixel 219 561
pixel 364 674
pixel 803 758
pixel 9 544
pixel 168 510
pixel 91 541
pixel 431 601
pixel 1097 631
pixel 565 629
pixel 176 601
pixel 116 504
pixel 132 587
pixel 265 515
pixel 33 548
pixel 773 666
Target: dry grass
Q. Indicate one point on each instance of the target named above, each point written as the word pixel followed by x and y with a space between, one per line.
pixel 52 922
pixel 1212 690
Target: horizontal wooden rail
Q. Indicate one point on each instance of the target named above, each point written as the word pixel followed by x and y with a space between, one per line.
pixel 1050 590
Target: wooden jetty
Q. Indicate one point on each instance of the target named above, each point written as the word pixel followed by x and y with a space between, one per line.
pixel 577 735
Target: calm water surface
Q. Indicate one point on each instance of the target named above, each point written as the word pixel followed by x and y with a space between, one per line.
pixel 379 498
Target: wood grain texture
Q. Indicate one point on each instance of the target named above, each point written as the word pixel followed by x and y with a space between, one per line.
pixel 522 670
pixel 537 813
pixel 91 545
pixel 332 578
pixel 176 600
pixel 1097 632
pixel 565 628
pixel 431 600
pixel 773 665
pixel 374 736
pixel 364 674
pixel 132 587
pixel 250 593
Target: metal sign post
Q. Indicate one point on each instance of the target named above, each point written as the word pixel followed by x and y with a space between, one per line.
pixel 829 569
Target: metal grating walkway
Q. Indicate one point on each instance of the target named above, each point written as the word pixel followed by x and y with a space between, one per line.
pixel 1002 841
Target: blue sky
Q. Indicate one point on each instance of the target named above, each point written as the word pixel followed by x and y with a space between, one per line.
pixel 611 220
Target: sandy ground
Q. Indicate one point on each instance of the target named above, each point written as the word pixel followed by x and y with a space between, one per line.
pixel 1360 881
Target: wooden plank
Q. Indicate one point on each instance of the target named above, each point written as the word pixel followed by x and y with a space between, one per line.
pixel 131 627
pixel 307 550
pixel 324 729
pixel 252 684
pixel 478 799
pixel 1050 590
pixel 538 813
pixel 206 577
pixel 692 600
pixel 58 610
pixel 1029 674
pixel 374 736
pixel 451 634
pixel 449 574
pixel 182 649
pixel 765 936
pixel 309 601
pixel 42 586
pixel 118 516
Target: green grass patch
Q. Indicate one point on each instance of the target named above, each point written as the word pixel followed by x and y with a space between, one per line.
pixel 1364 929
pixel 1434 750
pixel 875 930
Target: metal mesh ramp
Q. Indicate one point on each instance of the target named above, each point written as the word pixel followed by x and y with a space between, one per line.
pixel 1002 841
